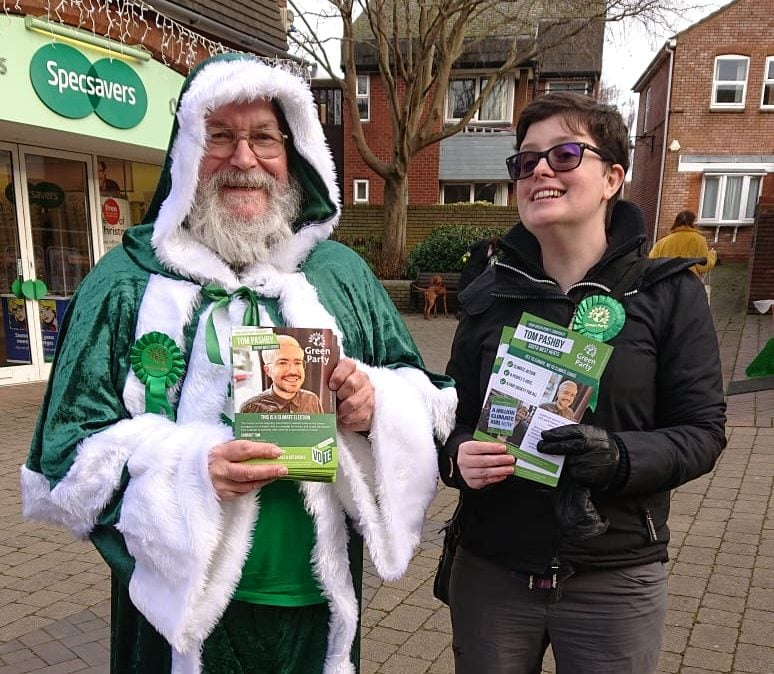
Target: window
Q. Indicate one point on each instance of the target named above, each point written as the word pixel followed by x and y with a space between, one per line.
pixel 328 105
pixel 578 86
pixel 360 192
pixel 364 97
pixel 465 193
pixel 767 101
pixel 729 198
pixel 463 91
pixel 729 86
pixel 646 114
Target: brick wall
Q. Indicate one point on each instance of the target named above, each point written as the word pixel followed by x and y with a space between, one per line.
pixel 745 28
pixel 648 146
pixel 424 185
pixel 423 175
pixel 366 221
pixel 760 279
pixel 400 293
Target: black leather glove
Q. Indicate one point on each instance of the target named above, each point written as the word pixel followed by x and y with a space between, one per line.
pixel 576 514
pixel 592 453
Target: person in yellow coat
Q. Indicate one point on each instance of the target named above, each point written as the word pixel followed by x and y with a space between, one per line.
pixel 685 240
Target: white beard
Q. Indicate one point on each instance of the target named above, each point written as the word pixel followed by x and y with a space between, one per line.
pixel 241 241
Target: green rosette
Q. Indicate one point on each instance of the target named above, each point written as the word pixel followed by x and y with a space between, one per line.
pixel 599 317
pixel 158 363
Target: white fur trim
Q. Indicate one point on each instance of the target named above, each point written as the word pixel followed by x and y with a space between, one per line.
pixel 172 522
pixel 217 84
pixel 330 561
pixel 386 485
pixel 187 663
pixel 171 303
pixel 80 496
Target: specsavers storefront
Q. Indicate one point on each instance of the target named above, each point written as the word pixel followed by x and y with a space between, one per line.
pixel 83 132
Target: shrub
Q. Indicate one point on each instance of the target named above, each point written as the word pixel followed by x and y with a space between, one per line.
pixel 443 250
pixel 368 247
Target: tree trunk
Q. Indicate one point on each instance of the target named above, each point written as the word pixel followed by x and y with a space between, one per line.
pixel 394 236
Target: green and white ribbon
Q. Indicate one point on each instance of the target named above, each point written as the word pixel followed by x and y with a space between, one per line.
pixel 221 299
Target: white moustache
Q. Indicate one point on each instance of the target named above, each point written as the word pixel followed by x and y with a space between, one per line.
pixel 251 180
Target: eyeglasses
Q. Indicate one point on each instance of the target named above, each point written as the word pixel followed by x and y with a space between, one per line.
pixel 265 143
pixel 562 157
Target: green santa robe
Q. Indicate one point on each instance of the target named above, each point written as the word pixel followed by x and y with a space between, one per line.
pixel 137 483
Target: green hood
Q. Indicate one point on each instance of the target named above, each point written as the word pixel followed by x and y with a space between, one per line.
pixel 224 79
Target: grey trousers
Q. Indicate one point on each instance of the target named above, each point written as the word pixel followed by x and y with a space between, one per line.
pixel 597 622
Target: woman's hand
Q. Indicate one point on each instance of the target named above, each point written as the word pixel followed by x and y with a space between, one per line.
pixel 231 478
pixel 483 463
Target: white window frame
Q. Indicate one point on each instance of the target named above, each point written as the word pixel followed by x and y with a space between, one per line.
pixel 568 85
pixel 356 185
pixel 768 81
pixel 715 82
pixel 360 96
pixel 479 83
pixel 501 192
pixel 723 181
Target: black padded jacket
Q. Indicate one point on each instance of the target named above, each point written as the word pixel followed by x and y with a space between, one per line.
pixel 661 396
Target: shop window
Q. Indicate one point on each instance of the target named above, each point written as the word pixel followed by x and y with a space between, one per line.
pixel 729 199
pixel 767 101
pixel 729 85
pixel 125 191
pixel 364 97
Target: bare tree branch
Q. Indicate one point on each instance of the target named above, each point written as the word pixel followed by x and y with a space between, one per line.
pixel 416 46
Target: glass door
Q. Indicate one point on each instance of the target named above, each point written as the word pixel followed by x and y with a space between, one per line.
pixel 46 239
pixel 18 339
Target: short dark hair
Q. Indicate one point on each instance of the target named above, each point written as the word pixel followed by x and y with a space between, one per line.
pixel 582 114
pixel 684 219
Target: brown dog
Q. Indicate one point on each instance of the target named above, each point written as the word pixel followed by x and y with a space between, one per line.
pixel 436 291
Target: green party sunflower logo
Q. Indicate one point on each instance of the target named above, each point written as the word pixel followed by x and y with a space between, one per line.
pixel 70 85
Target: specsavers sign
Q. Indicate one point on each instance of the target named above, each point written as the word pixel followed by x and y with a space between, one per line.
pixel 70 85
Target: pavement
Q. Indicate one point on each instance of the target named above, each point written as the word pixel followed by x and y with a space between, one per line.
pixel 54 592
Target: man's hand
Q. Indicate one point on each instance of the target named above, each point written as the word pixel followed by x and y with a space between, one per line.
pixel 483 463
pixel 355 393
pixel 231 478
pixel 592 453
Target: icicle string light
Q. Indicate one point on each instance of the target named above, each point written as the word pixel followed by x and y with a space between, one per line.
pixel 126 21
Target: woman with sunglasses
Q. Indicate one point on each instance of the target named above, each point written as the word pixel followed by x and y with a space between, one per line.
pixel 579 566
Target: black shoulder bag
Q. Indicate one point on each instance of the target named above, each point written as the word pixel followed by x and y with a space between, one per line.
pixel 451 539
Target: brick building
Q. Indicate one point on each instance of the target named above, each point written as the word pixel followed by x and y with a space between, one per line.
pixel 468 166
pixel 705 127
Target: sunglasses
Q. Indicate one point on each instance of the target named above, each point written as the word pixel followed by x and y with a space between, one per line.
pixel 562 157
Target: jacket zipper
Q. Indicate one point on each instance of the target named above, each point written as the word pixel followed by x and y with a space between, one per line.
pixel 564 296
pixel 650 525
